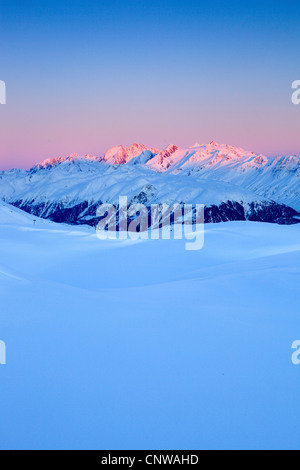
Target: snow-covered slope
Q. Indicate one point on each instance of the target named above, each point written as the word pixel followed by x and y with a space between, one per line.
pixel 75 157
pixel 232 183
pixel 71 191
pixel 93 182
pixel 276 178
pixel 141 345
pixel 120 155
pixel 10 215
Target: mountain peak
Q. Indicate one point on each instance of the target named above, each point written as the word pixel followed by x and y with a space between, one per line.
pixel 196 144
pixel 121 155
pixel 51 162
pixel 172 148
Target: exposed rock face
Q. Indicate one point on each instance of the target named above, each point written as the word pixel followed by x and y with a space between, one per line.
pixel 85 213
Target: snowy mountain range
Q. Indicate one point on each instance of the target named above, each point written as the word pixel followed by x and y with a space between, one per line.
pixel 234 184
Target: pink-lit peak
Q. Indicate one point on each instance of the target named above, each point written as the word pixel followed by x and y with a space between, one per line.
pixel 164 159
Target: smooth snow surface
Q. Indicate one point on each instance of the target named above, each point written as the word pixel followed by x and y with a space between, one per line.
pixel 143 345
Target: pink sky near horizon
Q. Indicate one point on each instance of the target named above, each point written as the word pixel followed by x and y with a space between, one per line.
pixel 85 79
pixel 35 127
pixel 30 137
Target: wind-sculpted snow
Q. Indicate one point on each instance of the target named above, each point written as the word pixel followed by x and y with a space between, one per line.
pixel 232 183
pixel 98 332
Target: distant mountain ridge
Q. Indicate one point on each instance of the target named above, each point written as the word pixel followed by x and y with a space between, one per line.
pixel 234 184
pixel 121 155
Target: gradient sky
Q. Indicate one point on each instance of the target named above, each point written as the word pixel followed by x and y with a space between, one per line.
pixel 85 75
